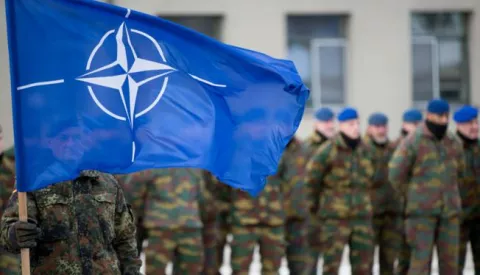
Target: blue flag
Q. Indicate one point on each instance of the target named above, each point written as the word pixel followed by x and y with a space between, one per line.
pixel 101 87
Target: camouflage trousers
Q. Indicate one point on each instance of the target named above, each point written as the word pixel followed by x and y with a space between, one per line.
pixel 404 252
pixel 425 232
pixel 297 252
pixel 469 232
pixel 223 231
pixel 358 234
pixel 388 237
pixel 271 243
pixel 314 245
pixel 183 247
pixel 9 264
pixel 210 234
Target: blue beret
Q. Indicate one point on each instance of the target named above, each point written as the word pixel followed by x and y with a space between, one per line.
pixel 412 115
pixel 465 114
pixel 438 106
pixel 347 114
pixel 377 119
pixel 324 114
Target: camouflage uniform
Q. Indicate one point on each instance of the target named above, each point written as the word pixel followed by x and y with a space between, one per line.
pixel 259 220
pixel 425 171
pixel 313 143
pixel 470 194
pixel 87 227
pixel 292 170
pixel 338 182
pixel 9 263
pixel 171 202
pixel 387 219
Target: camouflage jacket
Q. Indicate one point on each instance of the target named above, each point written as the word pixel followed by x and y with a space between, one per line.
pixel 313 143
pixel 470 184
pixel 292 171
pixel 339 181
pixel 7 178
pixel 426 172
pixel 171 198
pixel 87 227
pixel 383 196
pixel 266 209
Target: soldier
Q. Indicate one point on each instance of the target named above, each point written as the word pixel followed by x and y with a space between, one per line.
pixel 386 207
pixel 466 119
pixel 411 119
pixel 9 263
pixel 258 220
pixel 324 130
pixel 338 179
pixel 425 170
pixel 173 203
pixel 82 226
pixel 292 170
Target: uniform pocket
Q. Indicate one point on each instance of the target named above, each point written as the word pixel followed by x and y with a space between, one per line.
pixel 54 217
pixel 105 204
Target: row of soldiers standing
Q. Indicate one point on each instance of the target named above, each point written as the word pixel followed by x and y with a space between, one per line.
pixel 404 196
pixel 335 189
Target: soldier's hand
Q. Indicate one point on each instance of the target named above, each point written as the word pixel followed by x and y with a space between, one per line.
pixel 24 234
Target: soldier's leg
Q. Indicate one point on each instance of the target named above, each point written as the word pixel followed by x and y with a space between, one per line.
pixel 297 247
pixel 464 237
pixel 362 246
pixel 190 253
pixel 314 245
pixel 475 243
pixel 9 264
pixel 334 237
pixel 389 245
pixel 272 249
pixel 159 252
pixel 378 224
pixel 243 245
pixel 210 234
pixel 404 251
pixel 224 230
pixel 447 245
pixel 420 236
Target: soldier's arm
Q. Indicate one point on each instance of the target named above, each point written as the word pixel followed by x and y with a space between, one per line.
pixel 136 185
pixel 462 165
pixel 316 168
pixel 10 216
pixel 125 243
pixel 207 202
pixel 295 177
pixel 400 166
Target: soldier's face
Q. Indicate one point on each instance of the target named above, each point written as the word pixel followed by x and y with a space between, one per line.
pixel 441 119
pixel 68 145
pixel 378 132
pixel 469 129
pixel 409 126
pixel 350 128
pixel 326 127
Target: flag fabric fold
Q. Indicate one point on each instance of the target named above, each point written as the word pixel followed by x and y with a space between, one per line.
pixel 101 87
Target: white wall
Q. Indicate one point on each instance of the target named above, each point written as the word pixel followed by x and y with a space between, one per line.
pixel 379 62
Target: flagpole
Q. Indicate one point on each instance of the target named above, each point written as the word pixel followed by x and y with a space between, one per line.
pixel 23 216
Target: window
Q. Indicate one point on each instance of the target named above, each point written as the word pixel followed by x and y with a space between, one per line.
pixel 317 46
pixel 440 57
pixel 208 25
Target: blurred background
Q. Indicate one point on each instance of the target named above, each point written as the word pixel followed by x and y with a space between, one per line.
pixel 375 55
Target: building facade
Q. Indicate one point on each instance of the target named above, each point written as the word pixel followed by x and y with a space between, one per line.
pixel 374 55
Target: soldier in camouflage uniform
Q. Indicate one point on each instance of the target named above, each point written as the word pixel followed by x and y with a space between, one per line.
pixel 258 220
pixel 339 179
pixel 9 263
pixel 425 169
pixel 387 217
pixel 291 170
pixel 324 129
pixel 466 119
pixel 411 119
pixel 174 204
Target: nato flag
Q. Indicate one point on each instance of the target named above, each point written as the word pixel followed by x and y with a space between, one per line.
pixel 101 87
